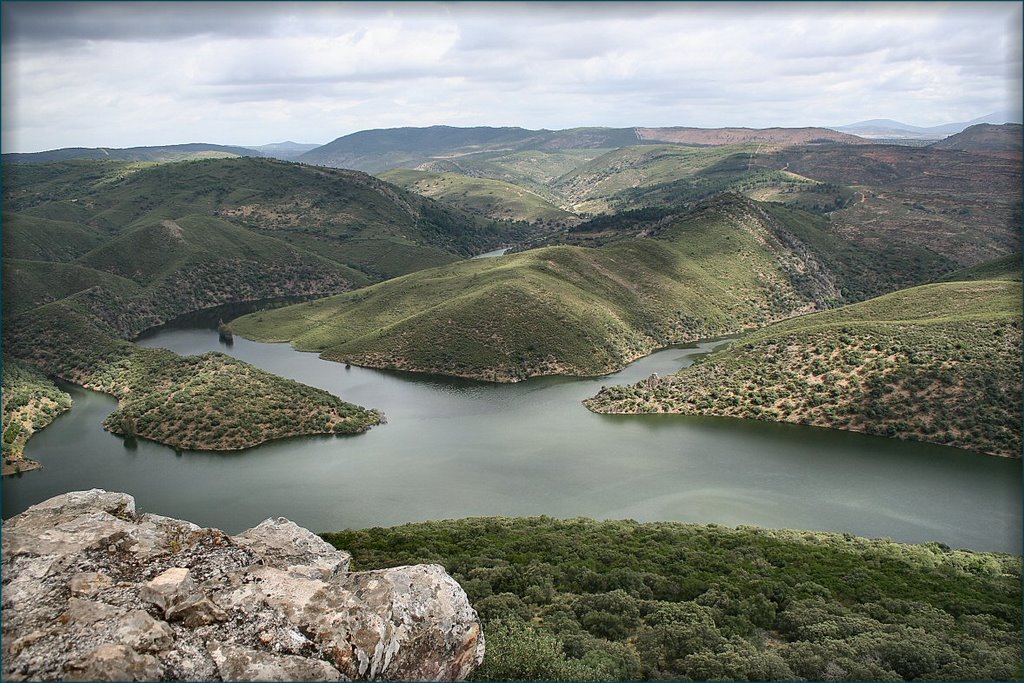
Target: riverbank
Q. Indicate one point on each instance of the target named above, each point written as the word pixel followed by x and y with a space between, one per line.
pixel 938 363
pixel 30 403
pixel 457 448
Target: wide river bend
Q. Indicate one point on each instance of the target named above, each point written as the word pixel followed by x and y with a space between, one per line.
pixel 455 448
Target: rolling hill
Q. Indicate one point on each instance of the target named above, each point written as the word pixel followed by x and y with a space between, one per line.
pixel 1005 140
pixel 379 150
pixel 937 363
pixel 97 252
pixel 946 208
pixel 728 265
pixel 188 151
pixel 495 199
pixel 348 219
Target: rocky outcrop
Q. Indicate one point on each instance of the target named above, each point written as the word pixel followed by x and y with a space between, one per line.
pixel 93 590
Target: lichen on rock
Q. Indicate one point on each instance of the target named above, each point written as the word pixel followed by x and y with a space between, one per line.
pixel 93 590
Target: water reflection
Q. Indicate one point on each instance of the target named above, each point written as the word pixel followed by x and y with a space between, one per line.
pixel 456 448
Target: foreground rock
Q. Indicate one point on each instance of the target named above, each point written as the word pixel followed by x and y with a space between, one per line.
pixel 93 590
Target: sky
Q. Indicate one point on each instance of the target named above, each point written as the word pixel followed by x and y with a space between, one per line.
pixel 92 74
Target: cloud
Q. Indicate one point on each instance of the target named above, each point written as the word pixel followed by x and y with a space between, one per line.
pixel 120 74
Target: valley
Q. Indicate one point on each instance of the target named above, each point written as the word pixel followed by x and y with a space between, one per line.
pixel 764 329
pixel 691 242
pixel 97 252
pixel 574 341
pixel 771 331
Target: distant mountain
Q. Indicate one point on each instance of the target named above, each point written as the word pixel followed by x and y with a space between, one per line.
pixel 191 150
pixel 985 138
pixel 887 128
pixel 380 150
pixel 286 151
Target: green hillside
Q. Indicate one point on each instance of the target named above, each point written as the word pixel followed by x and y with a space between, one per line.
pixel 938 363
pixel 945 209
pixel 208 402
pixel 494 199
pixel 97 252
pixel 28 284
pixel 1005 268
pixel 535 169
pixel 594 186
pixel 618 600
pixel 30 402
pixel 42 239
pixel 350 218
pixel 199 234
pixel 726 266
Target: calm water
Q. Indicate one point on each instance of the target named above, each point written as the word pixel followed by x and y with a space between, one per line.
pixel 462 448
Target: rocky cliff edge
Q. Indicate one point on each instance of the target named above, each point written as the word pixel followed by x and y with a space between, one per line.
pixel 93 590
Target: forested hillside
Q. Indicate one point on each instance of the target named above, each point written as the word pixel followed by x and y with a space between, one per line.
pixel 586 600
pixel 727 265
pixel 938 363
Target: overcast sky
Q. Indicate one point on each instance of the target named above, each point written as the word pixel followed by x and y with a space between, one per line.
pixel 125 74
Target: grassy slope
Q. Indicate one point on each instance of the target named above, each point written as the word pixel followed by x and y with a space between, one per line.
pixel 1005 268
pixel 494 199
pixel 29 284
pixel 535 170
pixel 30 403
pixel 930 211
pixel 580 599
pixel 937 363
pixel 566 310
pixel 42 239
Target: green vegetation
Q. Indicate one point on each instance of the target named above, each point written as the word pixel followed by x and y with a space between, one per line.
pixel 97 252
pixel 937 363
pixel 586 600
pixel 535 170
pixel 494 199
pixel 345 221
pixel 600 184
pixel 30 402
pixel 208 402
pixel 1006 268
pixel 923 211
pixel 726 266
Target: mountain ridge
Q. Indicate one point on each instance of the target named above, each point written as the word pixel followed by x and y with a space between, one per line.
pixel 386 148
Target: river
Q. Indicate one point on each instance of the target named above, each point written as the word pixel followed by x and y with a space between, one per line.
pixel 458 448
